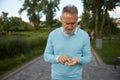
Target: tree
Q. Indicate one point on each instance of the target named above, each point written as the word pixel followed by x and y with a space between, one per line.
pixel 98 9
pixel 1 24
pixel 51 6
pixel 33 8
pixel 36 8
pixel 15 23
pixel 4 21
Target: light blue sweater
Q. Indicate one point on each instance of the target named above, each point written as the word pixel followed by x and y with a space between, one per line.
pixel 76 45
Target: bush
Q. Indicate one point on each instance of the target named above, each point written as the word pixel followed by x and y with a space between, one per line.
pixel 3 48
pixel 38 42
pixel 13 47
pixel 21 43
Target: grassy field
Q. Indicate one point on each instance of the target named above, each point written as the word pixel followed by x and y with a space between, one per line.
pixel 110 50
pixel 36 41
pixel 9 64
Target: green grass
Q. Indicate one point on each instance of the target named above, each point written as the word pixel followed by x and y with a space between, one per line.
pixel 34 39
pixel 110 50
pixel 9 64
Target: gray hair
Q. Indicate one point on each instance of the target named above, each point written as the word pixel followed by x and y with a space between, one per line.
pixel 70 9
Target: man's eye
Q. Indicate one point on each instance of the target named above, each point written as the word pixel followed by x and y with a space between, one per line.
pixel 72 23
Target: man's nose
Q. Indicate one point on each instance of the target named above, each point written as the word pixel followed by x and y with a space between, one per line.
pixel 69 26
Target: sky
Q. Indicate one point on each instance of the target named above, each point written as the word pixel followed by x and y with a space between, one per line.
pixel 12 7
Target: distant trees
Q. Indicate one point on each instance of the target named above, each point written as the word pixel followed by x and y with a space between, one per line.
pixel 4 21
pixel 36 8
pixel 50 7
pixel 12 23
pixel 96 14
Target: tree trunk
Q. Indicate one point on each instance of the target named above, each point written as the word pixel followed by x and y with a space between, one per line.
pixel 96 23
pixel 98 39
pixel 103 22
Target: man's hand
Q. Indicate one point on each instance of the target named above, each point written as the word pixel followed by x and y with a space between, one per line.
pixel 72 62
pixel 63 59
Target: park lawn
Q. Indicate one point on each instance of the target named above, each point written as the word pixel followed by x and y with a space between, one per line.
pixel 110 50
pixel 10 63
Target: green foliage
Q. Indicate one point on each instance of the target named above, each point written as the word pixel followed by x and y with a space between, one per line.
pixel 13 47
pixel 110 50
pixel 37 42
pixel 56 23
pixel 33 43
pixel 49 10
pixel 96 15
pixel 21 42
pixel 10 63
pixel 110 28
pixel 36 8
pixel 88 21
pixel 13 24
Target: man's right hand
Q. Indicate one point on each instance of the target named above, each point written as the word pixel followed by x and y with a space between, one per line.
pixel 63 59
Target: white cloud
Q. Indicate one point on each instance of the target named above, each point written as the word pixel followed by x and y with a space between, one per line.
pixel 115 13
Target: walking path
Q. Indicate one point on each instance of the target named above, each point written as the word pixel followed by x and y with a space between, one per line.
pixel 40 70
pixel 97 70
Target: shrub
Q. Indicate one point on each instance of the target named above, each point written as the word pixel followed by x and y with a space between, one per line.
pixel 3 48
pixel 13 47
pixel 21 43
pixel 38 42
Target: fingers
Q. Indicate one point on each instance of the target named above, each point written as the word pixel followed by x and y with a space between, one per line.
pixel 63 58
pixel 73 62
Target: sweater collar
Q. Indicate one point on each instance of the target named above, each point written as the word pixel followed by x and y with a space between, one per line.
pixel 75 32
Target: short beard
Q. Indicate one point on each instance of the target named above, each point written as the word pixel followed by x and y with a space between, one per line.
pixel 69 32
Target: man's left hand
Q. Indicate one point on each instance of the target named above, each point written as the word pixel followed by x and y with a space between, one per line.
pixel 73 62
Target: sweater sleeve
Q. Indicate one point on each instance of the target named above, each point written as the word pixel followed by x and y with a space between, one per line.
pixel 49 51
pixel 86 52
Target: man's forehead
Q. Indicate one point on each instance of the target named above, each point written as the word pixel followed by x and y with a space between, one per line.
pixel 69 14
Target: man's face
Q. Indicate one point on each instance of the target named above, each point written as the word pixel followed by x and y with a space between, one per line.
pixel 69 22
